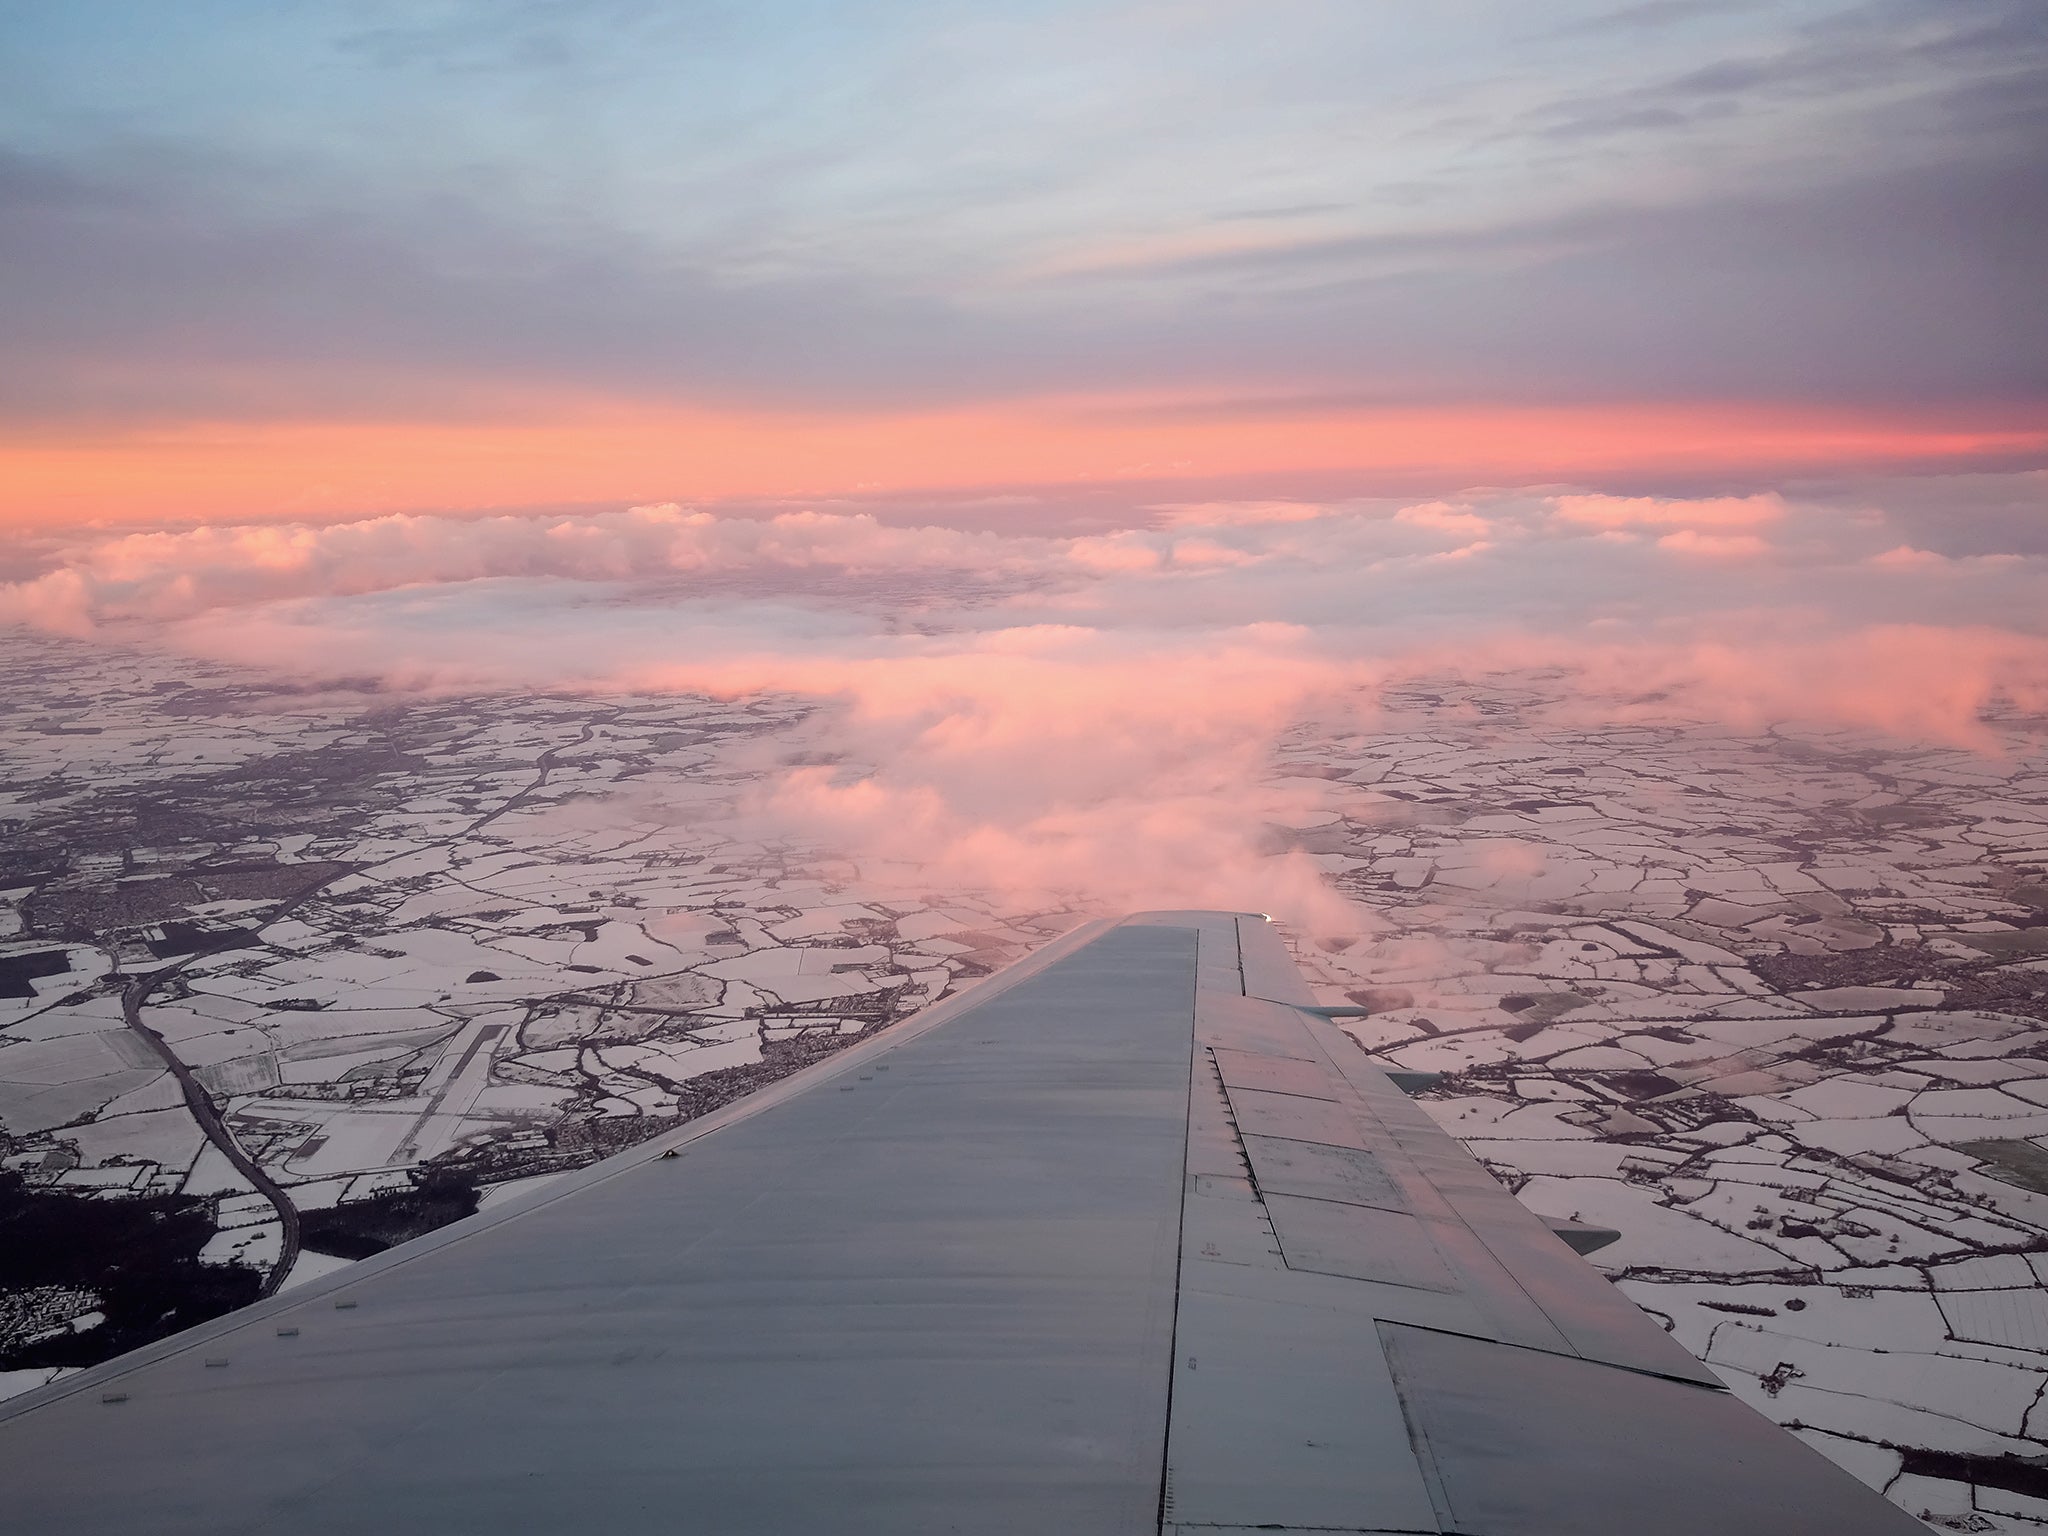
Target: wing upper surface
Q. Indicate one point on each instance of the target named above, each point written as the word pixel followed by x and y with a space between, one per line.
pixel 1123 1240
pixel 1375 1336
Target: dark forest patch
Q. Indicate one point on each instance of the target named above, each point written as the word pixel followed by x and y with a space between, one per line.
pixel 17 971
pixel 1881 965
pixel 2015 1474
pixel 1640 1085
pixel 139 1256
pixel 1533 1010
pixel 363 1227
pixel 199 939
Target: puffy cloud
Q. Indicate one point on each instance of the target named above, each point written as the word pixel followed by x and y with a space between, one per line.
pixel 1443 515
pixel 1671 511
pixel 1119 552
pixel 164 575
pixel 1912 682
pixel 1714 546
pixel 1095 717
pixel 1903 557
pixel 1218 514
pixel 1042 760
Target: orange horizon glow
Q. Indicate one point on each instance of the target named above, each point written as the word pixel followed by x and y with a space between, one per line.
pixel 323 470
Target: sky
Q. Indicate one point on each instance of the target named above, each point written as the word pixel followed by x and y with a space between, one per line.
pixel 1076 403
pixel 317 260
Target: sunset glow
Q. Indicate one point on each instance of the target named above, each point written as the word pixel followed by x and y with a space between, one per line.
pixel 580 453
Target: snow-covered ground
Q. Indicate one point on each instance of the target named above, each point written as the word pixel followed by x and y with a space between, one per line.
pixel 1776 1009
pixel 1775 1006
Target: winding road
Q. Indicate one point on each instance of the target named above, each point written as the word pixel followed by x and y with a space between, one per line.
pixel 200 1102
pixel 136 995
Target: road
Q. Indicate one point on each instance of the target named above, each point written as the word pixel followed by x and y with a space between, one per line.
pixel 200 1102
pixel 136 995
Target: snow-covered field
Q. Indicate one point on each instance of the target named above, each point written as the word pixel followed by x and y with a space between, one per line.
pixel 1775 1006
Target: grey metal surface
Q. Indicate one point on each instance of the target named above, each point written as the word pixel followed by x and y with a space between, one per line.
pixel 1331 1237
pixel 1124 1240
pixel 1515 1442
pixel 1326 1215
pixel 1298 1466
pixel 942 1301
pixel 1319 1172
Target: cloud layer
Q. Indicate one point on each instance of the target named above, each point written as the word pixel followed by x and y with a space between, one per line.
pixel 1099 713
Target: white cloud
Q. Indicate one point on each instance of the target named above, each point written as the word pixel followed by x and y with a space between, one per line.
pixel 1671 511
pixel 1098 712
pixel 1714 546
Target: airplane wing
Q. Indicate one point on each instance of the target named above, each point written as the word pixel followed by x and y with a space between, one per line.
pixel 1122 1240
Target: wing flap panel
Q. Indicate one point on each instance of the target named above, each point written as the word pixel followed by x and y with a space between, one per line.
pixel 1289 1117
pixel 1518 1442
pixel 1357 1241
pixel 1279 1074
pixel 1278 1420
pixel 1320 1172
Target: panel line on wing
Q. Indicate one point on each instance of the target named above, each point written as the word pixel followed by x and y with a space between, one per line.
pixel 1203 941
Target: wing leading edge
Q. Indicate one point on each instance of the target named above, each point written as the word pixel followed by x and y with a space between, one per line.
pixel 1123 1240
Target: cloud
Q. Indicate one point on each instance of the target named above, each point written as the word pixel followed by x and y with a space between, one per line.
pixel 164 575
pixel 1095 717
pixel 1904 557
pixel 1216 514
pixel 1669 511
pixel 1714 546
pixel 1444 516
pixel 1055 763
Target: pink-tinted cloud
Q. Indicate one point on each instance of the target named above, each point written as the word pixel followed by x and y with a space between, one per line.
pixel 1214 514
pixel 1904 557
pixel 168 575
pixel 1714 546
pixel 1671 511
pixel 1448 517
pixel 1095 719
